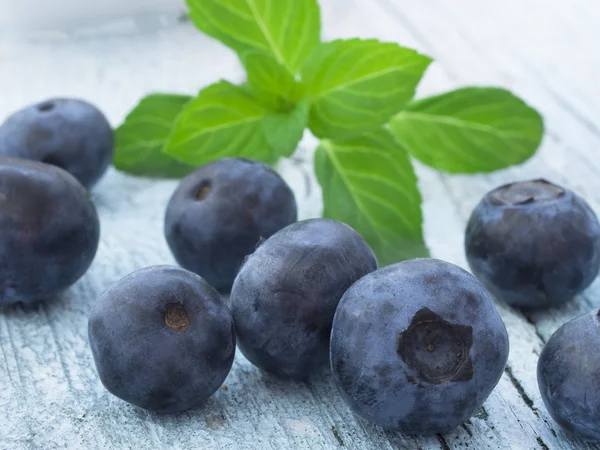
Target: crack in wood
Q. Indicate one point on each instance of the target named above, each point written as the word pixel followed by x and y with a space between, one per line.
pixel 482 414
pixel 542 443
pixel 11 340
pixel 530 320
pixel 443 442
pixel 59 350
pixel 520 389
pixel 466 428
pixel 337 436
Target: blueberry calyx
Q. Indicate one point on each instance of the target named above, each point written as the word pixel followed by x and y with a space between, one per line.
pixel 525 192
pixel 176 317
pixel 46 107
pixel 204 190
pixel 436 348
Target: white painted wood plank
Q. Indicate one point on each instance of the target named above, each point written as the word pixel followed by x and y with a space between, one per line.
pixel 52 397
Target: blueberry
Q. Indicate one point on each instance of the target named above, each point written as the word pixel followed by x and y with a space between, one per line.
pixel 162 339
pixel 568 378
pixel 221 211
pixel 49 231
pixel 417 346
pixel 533 244
pixel 285 296
pixel 68 133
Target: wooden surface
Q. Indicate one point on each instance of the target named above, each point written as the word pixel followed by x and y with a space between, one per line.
pixel 50 396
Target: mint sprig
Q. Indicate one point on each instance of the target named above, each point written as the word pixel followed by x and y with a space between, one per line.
pixel 287 29
pixel 223 120
pixel 142 137
pixel 269 78
pixel 354 94
pixel 356 85
pixel 369 183
pixel 479 130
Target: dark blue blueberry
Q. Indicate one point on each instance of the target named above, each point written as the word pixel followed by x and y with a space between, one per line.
pixel 417 346
pixel 285 296
pixel 533 244
pixel 569 376
pixel 49 231
pixel 68 133
pixel 162 339
pixel 221 211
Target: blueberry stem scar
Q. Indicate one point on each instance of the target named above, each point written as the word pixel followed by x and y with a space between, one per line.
pixel 176 317
pixel 45 107
pixel 446 347
pixel 204 190
pixel 526 192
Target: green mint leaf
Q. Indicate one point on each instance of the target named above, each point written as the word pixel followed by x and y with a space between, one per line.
pixel 141 138
pixel 268 100
pixel 284 130
pixel 267 76
pixel 470 130
pixel 356 85
pixel 287 29
pixel 223 121
pixel 369 183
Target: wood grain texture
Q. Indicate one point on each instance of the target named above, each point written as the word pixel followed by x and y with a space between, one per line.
pixel 51 397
